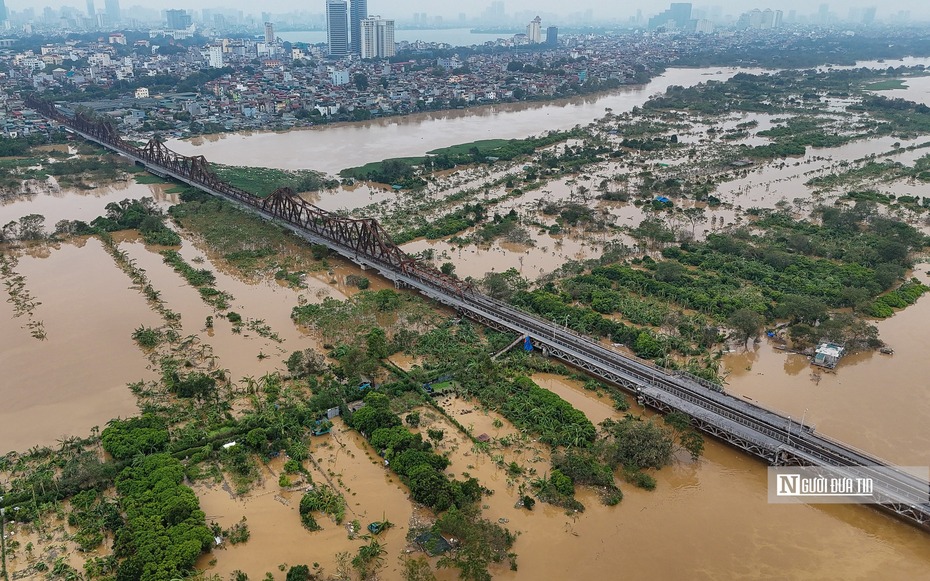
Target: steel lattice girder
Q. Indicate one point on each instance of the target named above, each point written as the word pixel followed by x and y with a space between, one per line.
pixel 363 236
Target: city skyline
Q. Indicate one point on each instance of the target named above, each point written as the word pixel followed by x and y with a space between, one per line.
pixel 600 9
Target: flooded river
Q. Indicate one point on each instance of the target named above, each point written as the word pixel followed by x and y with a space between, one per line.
pixel 706 520
pixel 336 147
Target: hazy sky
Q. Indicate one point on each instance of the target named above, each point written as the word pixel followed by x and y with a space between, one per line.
pixel 403 9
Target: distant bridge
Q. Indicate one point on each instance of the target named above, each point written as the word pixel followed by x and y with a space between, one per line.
pixel 761 432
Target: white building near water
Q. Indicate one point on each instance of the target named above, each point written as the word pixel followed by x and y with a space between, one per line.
pixel 377 38
pixel 828 355
pixel 534 31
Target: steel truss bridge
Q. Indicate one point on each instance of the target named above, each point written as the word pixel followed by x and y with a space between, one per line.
pixel 766 434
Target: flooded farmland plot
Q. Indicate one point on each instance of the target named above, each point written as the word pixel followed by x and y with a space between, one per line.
pixel 342 459
pixel 71 204
pixel 75 377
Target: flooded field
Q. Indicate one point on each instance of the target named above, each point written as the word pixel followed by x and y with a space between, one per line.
pixel 85 205
pixel 695 521
pixel 916 89
pixel 76 378
pixel 344 460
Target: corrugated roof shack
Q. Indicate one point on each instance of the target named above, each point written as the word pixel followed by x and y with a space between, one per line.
pixel 828 355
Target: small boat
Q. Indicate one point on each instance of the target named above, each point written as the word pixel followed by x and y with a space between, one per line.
pixel 886 351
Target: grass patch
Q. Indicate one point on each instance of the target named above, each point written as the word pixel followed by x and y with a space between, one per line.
pixel 889 85
pixel 245 241
pixel 147 178
pixel 380 169
pixel 485 146
pixel 263 181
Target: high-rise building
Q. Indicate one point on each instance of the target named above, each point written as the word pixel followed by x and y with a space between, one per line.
pixel 768 19
pixel 704 26
pixel 3 11
pixel 177 19
pixel 779 19
pixel 359 13
pixel 377 38
pixel 215 56
pixel 678 15
pixel 90 9
pixel 494 13
pixel 868 15
pixel 534 31
pixel 552 36
pixel 823 14
pixel 269 33
pixel 337 27
pixel 113 15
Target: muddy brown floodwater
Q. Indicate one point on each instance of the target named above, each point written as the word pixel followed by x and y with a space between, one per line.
pixel 345 460
pixel 333 148
pixel 76 378
pixel 872 401
pixel 72 204
pixel 710 520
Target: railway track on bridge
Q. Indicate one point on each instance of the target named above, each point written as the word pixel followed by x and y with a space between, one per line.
pixel 764 433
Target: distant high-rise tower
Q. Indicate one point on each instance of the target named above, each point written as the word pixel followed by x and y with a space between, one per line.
pixel 269 33
pixel 359 13
pixel 552 36
pixel 3 11
pixel 779 19
pixel 534 31
pixel 113 15
pixel 177 19
pixel 678 15
pixel 868 15
pixel 823 14
pixel 377 38
pixel 90 8
pixel 337 27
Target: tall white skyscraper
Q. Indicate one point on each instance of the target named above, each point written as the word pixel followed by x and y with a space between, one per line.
pixel 269 33
pixel 377 38
pixel 337 27
pixel 216 57
pixel 534 31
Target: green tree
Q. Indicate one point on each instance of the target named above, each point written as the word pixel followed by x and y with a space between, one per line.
pixel 746 324
pixel 647 346
pixel 377 343
pixel 801 309
pixel 298 573
pixel 637 444
pixel 123 439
